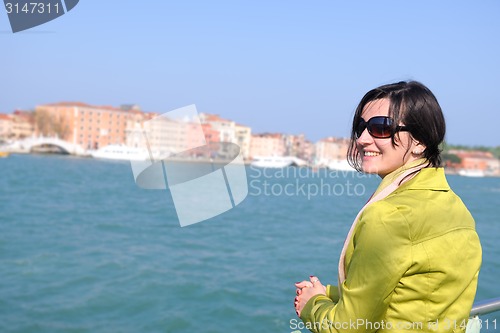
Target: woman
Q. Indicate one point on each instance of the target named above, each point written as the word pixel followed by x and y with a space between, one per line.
pixel 411 259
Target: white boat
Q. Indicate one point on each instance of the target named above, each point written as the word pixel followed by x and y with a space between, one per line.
pixel 471 173
pixel 120 152
pixel 340 165
pixel 272 162
pixel 277 161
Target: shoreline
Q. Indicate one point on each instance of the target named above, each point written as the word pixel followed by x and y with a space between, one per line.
pixel 448 171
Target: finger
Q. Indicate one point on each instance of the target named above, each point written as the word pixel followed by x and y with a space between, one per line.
pixel 314 280
pixel 298 291
pixel 303 284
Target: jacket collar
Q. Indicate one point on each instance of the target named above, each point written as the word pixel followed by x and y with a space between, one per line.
pixel 427 179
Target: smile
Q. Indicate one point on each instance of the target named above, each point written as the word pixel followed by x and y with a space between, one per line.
pixel 371 153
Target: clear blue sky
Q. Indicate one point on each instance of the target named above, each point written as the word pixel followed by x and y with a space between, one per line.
pixel 280 66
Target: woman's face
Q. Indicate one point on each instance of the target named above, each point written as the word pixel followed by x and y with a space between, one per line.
pixel 379 156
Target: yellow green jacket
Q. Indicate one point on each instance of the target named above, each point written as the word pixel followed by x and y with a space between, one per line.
pixel 412 265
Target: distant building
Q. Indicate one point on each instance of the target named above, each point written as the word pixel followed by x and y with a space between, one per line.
pixel 308 151
pixel 243 139
pixel 218 129
pixel 23 125
pixel 267 144
pixel 211 135
pixel 163 136
pixel 493 167
pixel 225 127
pixel 6 123
pixel 134 129
pixel 331 149
pixel 477 160
pixel 298 146
pixel 89 126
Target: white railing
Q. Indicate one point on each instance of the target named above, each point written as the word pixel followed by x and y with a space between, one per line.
pixel 481 308
pixel 486 306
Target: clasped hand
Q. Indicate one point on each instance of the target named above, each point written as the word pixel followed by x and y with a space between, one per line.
pixel 306 290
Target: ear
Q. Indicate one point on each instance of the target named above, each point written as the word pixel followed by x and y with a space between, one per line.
pixel 418 148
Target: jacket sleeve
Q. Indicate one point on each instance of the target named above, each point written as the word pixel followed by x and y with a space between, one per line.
pixel 332 292
pixel 381 256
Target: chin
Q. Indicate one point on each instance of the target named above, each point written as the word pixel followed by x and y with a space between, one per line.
pixel 372 170
pixel 369 170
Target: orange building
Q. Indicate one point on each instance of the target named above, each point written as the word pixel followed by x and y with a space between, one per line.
pixel 89 126
pixel 267 144
pixel 477 160
pixel 211 135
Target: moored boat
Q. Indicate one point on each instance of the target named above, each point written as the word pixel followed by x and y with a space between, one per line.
pixel 120 152
pixel 340 165
pixel 271 162
pixel 471 173
pixel 277 162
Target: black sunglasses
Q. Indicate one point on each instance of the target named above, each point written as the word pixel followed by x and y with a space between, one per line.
pixel 379 127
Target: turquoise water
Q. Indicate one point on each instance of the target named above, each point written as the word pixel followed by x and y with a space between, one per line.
pixel 82 249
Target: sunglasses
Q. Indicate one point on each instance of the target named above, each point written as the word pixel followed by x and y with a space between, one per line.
pixel 379 127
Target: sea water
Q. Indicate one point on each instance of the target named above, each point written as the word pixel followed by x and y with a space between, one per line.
pixel 83 249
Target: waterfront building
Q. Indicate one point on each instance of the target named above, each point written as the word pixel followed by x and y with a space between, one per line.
pixel 211 135
pixel 225 127
pixel 134 129
pixel 227 131
pixel 89 126
pixel 23 125
pixel 166 136
pixel 331 149
pixel 298 146
pixel 477 160
pixel 308 151
pixel 267 144
pixel 5 127
pixel 243 139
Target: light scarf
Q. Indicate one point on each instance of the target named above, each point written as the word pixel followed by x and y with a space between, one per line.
pixel 388 185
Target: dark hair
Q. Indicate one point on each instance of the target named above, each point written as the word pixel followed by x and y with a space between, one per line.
pixel 413 105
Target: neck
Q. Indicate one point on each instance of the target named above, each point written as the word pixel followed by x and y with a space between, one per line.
pixel 389 178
